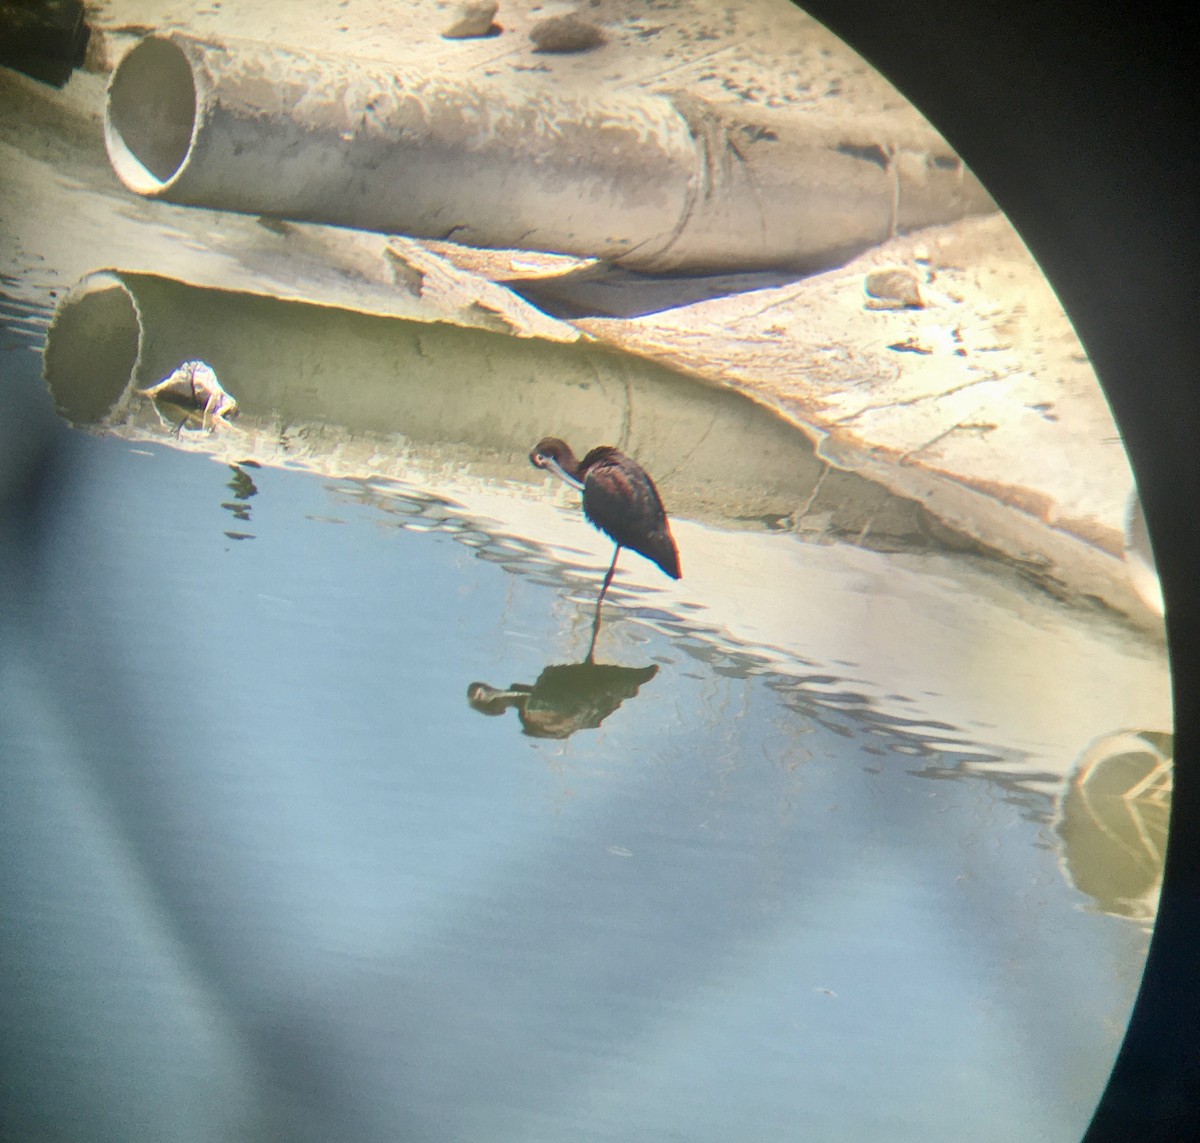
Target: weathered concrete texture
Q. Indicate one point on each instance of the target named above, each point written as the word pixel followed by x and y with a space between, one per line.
pixel 746 53
pixel 65 216
pixel 982 404
pixel 657 182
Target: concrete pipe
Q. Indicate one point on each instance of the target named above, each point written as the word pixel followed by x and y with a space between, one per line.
pixel 353 394
pixel 657 184
pixel 336 375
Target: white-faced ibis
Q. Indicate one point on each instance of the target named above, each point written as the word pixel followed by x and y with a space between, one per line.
pixel 619 498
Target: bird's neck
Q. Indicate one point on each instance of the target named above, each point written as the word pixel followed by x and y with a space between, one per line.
pixel 566 469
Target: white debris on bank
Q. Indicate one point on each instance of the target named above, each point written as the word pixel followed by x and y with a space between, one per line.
pixel 194 386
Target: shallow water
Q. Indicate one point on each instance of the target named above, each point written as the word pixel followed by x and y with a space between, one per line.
pixel 810 878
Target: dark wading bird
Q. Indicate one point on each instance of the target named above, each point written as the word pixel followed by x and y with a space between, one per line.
pixel 620 499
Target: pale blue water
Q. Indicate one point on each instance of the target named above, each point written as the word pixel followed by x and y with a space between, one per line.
pixel 270 876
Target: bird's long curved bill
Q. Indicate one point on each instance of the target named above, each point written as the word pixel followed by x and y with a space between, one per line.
pixel 562 474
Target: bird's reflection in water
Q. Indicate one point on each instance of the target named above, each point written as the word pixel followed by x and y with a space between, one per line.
pixel 620 499
pixel 242 485
pixel 565 698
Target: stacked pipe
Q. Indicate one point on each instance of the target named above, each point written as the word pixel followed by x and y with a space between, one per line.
pixel 656 183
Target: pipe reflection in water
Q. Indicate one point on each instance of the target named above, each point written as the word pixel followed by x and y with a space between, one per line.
pixel 1112 821
pixel 565 698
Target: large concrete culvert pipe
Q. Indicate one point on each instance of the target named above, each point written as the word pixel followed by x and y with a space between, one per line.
pixel 655 183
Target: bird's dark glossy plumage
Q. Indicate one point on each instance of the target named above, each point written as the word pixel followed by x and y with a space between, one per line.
pixel 619 498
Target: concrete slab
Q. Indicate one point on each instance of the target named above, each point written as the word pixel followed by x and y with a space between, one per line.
pixel 981 403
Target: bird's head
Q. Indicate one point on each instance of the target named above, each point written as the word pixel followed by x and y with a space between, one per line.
pixel 549 451
pixel 556 456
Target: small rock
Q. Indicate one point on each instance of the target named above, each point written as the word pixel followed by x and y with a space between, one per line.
pixel 563 34
pixel 911 345
pixel 894 288
pixel 475 19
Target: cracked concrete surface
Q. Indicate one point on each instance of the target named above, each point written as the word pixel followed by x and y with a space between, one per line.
pixel 982 404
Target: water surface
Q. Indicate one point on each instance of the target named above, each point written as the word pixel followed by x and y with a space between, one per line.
pixel 839 844
pixel 275 873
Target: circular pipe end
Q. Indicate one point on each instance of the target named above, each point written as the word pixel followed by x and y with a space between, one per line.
pixel 92 349
pixel 150 118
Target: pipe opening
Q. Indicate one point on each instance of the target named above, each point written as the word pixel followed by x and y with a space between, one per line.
pixel 92 349
pixel 150 119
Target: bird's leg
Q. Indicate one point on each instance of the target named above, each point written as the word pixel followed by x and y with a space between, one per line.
pixel 599 600
pixel 608 578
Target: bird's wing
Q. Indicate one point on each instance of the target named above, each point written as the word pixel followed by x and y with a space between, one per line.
pixel 624 505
